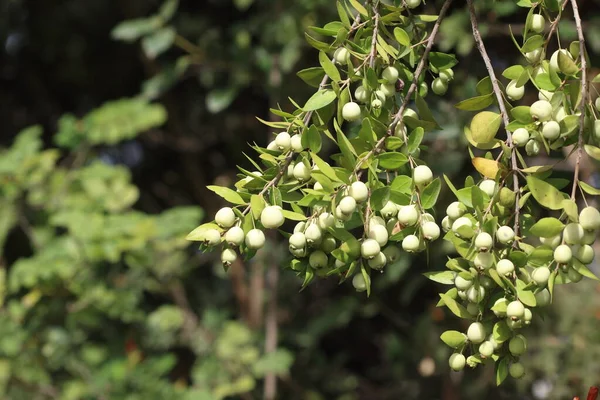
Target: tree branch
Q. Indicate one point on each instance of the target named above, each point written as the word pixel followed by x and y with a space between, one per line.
pixel 373 54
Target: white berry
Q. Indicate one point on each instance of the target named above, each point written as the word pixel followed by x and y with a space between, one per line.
pixel 271 217
pixel 255 239
pixel 225 217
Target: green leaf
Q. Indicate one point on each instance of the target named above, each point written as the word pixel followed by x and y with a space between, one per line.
pixel 345 146
pixel 311 139
pixel 484 86
pixel 219 99
pixel 534 42
pixel 257 204
pixel 415 139
pixel 168 9
pixel 158 42
pixel 526 297
pixel 228 194
pixel 501 370
pixel 454 339
pixel 392 160
pixel 329 68
pixel 566 64
pixel 367 278
pixel 359 7
pixel 583 269
pixel 501 332
pixel 134 29
pixel 325 168
pixel 589 189
pixel 513 72
pixel 198 234
pixel 484 126
pixel 401 36
pixel 430 194
pixel 442 60
pixel 476 103
pixel 443 277
pixel 320 99
pixel 393 143
pixel 592 151
pixel 545 194
pixel 379 197
pixel 522 114
pixel 456 308
pixel 312 76
pixel 547 227
pixel 294 216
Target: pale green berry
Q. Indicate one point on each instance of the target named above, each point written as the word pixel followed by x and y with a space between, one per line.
pixel 551 130
pixel 545 95
pixel 515 324
pixel 446 74
pixel 515 310
pixel 300 227
pixel 297 240
pixel 487 282
pixel 411 243
pixel 559 114
pixel 589 218
pixel 380 96
pixel 517 345
pixel 408 215
pixel 392 253
pixel 296 144
pixel 457 362
pixel 439 86
pixel 271 217
pixel 589 237
pixel 462 283
pixel 597 129
pixel 298 252
pixel 212 237
pixel 358 281
pixel 301 172
pixel 369 248
pixel 426 217
pixel 379 233
pixel 376 220
pixel 476 332
pixel 505 234
pixel 573 275
pixel 430 230
pixel 347 205
pixel 463 227
pixel 486 349
pixel 554 64
pixel 317 259
pixel 328 244
pixel 376 104
pixel 283 141
pixel 326 220
pixel 387 89
pixel 272 146
pixel 446 223
pixel 542 298
pixel 456 210
pixel 532 148
pixel 513 91
pixel 573 233
pixel 488 186
pixel 473 309
pixel 563 254
pixel 534 55
pixel 528 316
pixel 541 110
pixel 495 344
pixel 462 294
pixel 483 260
pixel 362 94
pixel 377 262
pixel 537 23
pixel 351 111
pixel 358 191
pixel 313 234
pixel 225 217
pixel 597 103
pixel 340 215
pixel 390 74
pixel 255 239
pixel 228 256
pixel 341 56
pixel 422 175
pixel 541 275
pixel 503 304
pixel 400 131
pixel 317 186
pixel 409 112
pixel 413 3
pixel 234 236
pixel 585 254
pixel 551 241
pixel 476 294
pixel 505 267
pixel 389 210
pixel 516 370
pixel 484 241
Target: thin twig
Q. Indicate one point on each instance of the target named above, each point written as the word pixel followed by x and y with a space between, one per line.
pixel 583 100
pixel 503 112
pixel 373 54
pixel 554 25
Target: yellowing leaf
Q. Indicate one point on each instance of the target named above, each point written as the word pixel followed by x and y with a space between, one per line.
pixel 484 126
pixel 482 146
pixel 487 168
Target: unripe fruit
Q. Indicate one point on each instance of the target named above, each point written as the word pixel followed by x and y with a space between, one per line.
pixel 301 172
pixel 505 234
pixel 446 74
pixel 271 217
pixel 462 283
pixel 439 86
pixel 541 110
pixel 362 94
pixel 390 74
pixel 528 316
pixel 542 298
pixel 389 210
pixel 585 254
pixel 559 114
pixel 483 260
pixel 400 131
pixel 532 148
pixel 413 3
pixel 573 275
pixel 475 294
pixel 341 56
pixel 369 248
pixel 359 191
pixel 551 130
pixel 505 267
pixel 541 275
pixel 573 233
pixel 430 230
pixel 409 112
pixel 597 103
pixel 476 332
pixel 545 95
pixel 554 59
pixel 563 254
pixel 457 362
pixel 283 141
pixel 456 210
pixel 597 129
pixel 500 301
pixel 422 175
pixel 507 197
pixel 326 220
pixel 313 235
pixel 376 220
pixel 589 237
pixel 516 370
pixel 408 215
pixel 484 241
pixel 446 223
pixel 272 146
pixel 212 237
pixel 234 236
pixel 380 96
pixel 225 217
pixel 392 253
pixel 517 345
pixel 351 111
pixel 488 187
pixel 317 259
pixel 513 91
pixel 537 23
pixel 473 309
pixel 255 239
pixel 348 205
pixel 487 282
pixel 358 281
pixel 300 227
pixel 328 244
pixel 411 243
pixel 387 89
pixel 297 240
pixel 486 349
pixel 228 256
pixel 377 262
pixel 296 144
pixel 376 104
pixel 462 294
pixel 551 241
pixel 340 215
pixel 463 227
pixel 317 186
pixel 589 218
pixel 298 252
pixel 515 310
pixel 534 55
pixel 426 217
pixel 379 233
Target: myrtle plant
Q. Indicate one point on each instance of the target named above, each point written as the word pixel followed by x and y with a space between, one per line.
pixel 347 168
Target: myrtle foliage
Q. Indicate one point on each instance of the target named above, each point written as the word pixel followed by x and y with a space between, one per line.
pixel 517 232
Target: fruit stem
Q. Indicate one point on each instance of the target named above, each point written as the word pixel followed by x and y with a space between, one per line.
pixel 582 105
pixel 554 25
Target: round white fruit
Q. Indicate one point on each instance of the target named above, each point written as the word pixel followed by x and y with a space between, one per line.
pixel 456 210
pixel 369 248
pixel 463 227
pixel 377 262
pixel 505 267
pixel 358 281
pixel 389 210
pixel 462 283
pixel 347 205
pixel 516 370
pixel 483 260
pixel 351 111
pixel 422 175
pixel 379 233
pixel 413 3
pixel 271 217
pixel 517 345
pixel 484 241
pixel 430 230
pixel 513 91
pixel 301 172
pixel 540 275
pixel 563 254
pixel 317 259
pixel 488 186
pixel 359 191
pixel 439 86
pixel 313 235
pixel 362 94
pixel 212 237
pixel 486 349
pixel 297 240
pixel 534 55
pixel 573 233
pixel 408 215
pixel 457 362
pixel 585 254
pixel 411 243
pixel 296 143
pixel 551 130
pixel 225 217
pixel 505 234
pixel 326 220
pixel 515 310
pixel 283 141
pixel 255 239
pixel 541 110
pixel 228 256
pixel 390 74
pixel 589 218
pixel 234 236
pixel 341 56
pixel 537 23
pixel 476 332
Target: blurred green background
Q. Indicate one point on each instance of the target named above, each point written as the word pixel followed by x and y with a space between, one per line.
pixel 110 136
